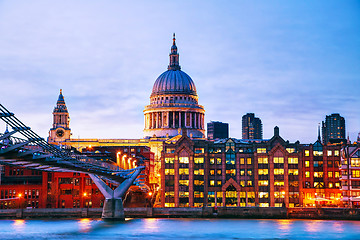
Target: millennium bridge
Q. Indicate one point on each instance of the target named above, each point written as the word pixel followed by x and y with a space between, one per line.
pixel 33 152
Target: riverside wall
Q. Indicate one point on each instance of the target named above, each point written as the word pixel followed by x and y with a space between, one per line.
pixel 206 212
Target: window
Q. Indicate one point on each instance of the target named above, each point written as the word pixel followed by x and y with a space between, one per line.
pixel 212 182
pixel 249 183
pixel 318 174
pixel 212 172
pixel 337 174
pixel 249 172
pixel 278 171
pixel 263 171
pixel 278 183
pixel 330 174
pixel 212 161
pixel 263 183
pixel 231 172
pixel 242 160
pixel 336 153
pixel 242 172
pixel 329 152
pixel 293 172
pixel 183 171
pixel 183 160
pixel 218 172
pixel 169 160
pixel 307 174
pixel 290 150
pixel 219 183
pixel 307 153
pixel 198 183
pixel 199 172
pixel 330 163
pixel 248 161
pixel 199 150
pixel 262 160
pixel 307 163
pixel 261 150
pixel 183 182
pixel 278 160
pixel 169 171
pixel 218 160
pixel 263 194
pixel 293 161
pixel 198 160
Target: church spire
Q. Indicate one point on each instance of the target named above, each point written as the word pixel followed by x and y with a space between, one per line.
pixel 174 56
pixel 319 138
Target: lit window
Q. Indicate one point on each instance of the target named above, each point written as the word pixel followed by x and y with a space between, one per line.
pixel 242 172
pixel 249 183
pixel 336 152
pixel 198 160
pixel 278 171
pixel 218 172
pixel 337 175
pixel 169 171
pixel 183 182
pixel 262 160
pixel 199 150
pixel 212 172
pixel 212 161
pixel 242 160
pixel 264 204
pixel 183 171
pixel 199 172
pixel 248 161
pixel 263 171
pixel 307 174
pixel 263 183
pixel 218 160
pixel 293 160
pixel 263 194
pixel 219 183
pixel 242 183
pixel 329 152
pixel 249 172
pixel 212 182
pixel 278 160
pixel 169 160
pixel 231 172
pixel 290 150
pixel 307 163
pixel 170 150
pixel 278 183
pixel 261 150
pixel 330 174
pixel 330 185
pixel 307 153
pixel 293 172
pixel 198 183
pixel 183 160
pixel 318 174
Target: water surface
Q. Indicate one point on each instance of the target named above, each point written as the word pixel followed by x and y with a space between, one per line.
pixel 155 228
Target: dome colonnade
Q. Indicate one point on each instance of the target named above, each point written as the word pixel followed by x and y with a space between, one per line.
pixel 174 103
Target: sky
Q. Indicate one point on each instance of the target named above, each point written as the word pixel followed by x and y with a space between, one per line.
pixel 289 62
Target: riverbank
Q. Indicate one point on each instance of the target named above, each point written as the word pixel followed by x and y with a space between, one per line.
pixel 206 212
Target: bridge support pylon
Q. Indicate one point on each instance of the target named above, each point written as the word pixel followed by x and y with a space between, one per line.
pixel 113 209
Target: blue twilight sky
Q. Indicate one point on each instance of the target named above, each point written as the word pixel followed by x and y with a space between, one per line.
pixel 290 62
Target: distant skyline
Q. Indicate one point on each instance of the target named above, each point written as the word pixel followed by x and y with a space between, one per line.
pixel 290 63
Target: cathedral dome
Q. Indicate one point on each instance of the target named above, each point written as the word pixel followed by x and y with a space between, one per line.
pixel 174 81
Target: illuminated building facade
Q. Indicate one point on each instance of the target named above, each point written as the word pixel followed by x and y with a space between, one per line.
pixel 231 172
pixel 333 129
pixel 350 175
pixel 251 127
pixel 174 103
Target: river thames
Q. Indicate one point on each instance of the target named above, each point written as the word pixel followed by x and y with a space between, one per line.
pixel 152 228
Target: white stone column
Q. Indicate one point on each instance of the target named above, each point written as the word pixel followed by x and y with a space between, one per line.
pixel 191 126
pixel 180 120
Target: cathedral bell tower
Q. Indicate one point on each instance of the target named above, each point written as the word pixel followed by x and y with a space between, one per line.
pixel 60 132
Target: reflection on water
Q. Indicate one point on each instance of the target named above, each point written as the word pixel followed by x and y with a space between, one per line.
pixel 314 226
pixel 19 225
pixel 151 228
pixel 84 225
